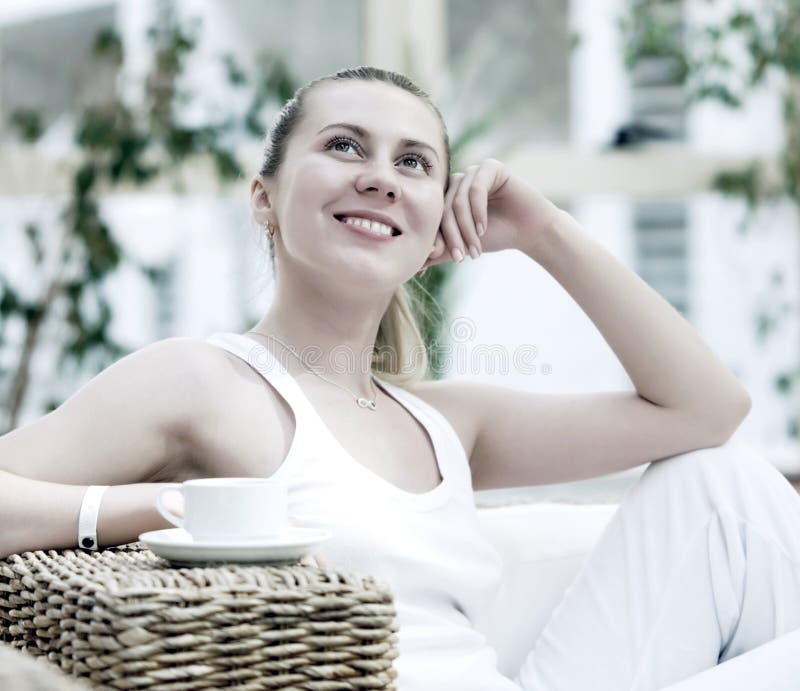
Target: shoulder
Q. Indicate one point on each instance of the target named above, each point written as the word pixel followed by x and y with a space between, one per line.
pixel 203 367
pixel 193 378
pixel 458 401
pixel 194 362
pixel 232 414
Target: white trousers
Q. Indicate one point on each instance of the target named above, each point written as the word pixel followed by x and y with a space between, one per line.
pixel 700 563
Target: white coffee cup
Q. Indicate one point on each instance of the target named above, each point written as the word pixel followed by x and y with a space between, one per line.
pixel 229 509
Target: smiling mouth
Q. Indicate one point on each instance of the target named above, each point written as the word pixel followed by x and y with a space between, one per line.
pixel 340 218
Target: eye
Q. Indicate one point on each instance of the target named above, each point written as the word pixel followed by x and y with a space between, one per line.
pixel 347 141
pixel 424 163
pixel 419 158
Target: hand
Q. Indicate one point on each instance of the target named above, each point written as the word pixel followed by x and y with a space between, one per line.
pixel 512 212
pixel 173 502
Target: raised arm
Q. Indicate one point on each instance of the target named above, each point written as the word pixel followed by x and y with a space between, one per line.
pixel 685 397
pixel 128 427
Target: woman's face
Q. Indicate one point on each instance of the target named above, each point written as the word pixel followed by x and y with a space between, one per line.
pixel 331 169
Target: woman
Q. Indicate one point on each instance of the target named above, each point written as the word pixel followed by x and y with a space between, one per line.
pixel 356 196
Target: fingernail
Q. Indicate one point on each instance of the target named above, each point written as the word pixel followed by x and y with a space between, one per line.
pixel 473 252
pixel 481 229
pixel 458 255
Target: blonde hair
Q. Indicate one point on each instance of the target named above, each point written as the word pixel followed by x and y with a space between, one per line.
pixel 400 334
pixel 400 355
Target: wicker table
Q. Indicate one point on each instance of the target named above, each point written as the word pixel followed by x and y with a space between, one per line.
pixel 123 618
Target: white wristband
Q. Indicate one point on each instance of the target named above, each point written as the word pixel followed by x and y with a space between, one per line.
pixel 87 519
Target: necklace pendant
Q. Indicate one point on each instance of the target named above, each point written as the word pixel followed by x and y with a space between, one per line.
pixel 364 403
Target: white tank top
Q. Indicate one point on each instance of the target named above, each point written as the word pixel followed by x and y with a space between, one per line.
pixel 425 546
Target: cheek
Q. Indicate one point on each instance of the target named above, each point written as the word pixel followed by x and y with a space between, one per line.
pixel 305 192
pixel 436 206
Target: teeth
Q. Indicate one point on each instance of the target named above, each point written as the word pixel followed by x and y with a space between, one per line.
pixel 373 226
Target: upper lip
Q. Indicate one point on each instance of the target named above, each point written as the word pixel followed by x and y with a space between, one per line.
pixel 372 216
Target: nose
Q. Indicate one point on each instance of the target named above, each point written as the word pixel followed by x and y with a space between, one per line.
pixel 379 178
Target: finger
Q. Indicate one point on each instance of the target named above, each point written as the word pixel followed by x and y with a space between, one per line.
pixel 173 501
pixel 479 194
pixel 439 244
pixel 465 213
pixel 449 227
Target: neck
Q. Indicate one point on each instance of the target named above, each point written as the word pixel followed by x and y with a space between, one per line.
pixel 331 318
pixel 335 344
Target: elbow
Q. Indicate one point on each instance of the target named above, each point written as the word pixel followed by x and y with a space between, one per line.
pixel 737 411
pixel 742 409
pixel 747 403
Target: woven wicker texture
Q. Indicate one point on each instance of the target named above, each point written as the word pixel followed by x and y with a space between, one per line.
pixel 123 618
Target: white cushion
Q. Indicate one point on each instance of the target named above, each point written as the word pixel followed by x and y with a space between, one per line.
pixel 543 544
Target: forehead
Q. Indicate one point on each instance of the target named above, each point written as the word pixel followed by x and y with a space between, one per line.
pixel 384 110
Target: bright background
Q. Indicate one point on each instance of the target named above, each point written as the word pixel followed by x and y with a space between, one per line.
pixel 547 84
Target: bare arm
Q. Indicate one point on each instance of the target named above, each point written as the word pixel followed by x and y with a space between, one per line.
pixel 44 515
pixel 128 425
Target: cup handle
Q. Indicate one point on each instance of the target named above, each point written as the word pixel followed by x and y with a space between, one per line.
pixel 163 510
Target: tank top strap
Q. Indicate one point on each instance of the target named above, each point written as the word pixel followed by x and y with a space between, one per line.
pixel 268 366
pixel 453 459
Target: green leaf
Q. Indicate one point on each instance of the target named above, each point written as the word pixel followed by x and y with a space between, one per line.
pixel 765 325
pixel 34 236
pixel 741 20
pixel 717 92
pixel 234 72
pixel 746 183
pixel 786 382
pixel 227 166
pixel 9 301
pixel 108 45
pixel 84 179
pixel 28 124
pixel 51 404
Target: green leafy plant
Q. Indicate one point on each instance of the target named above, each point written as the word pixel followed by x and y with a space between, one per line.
pixel 706 60
pixel 118 144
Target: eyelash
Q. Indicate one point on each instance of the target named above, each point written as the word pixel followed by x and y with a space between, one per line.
pixel 348 140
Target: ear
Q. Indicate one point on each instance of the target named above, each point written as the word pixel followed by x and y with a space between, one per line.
pixel 261 201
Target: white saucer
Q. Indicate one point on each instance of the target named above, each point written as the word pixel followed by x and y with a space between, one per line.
pixel 177 546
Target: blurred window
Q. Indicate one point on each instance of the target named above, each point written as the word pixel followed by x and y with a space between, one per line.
pixel 313 37
pixel 46 64
pixel 660 246
pixel 657 101
pixel 657 98
pixel 513 56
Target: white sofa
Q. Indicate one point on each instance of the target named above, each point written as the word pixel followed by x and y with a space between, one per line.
pixel 543 544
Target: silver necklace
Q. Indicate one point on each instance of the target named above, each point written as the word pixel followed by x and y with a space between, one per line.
pixel 362 402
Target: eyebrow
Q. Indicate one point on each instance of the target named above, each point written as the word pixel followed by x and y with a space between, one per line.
pixel 361 132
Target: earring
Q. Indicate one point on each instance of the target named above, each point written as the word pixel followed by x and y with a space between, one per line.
pixel 270 229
